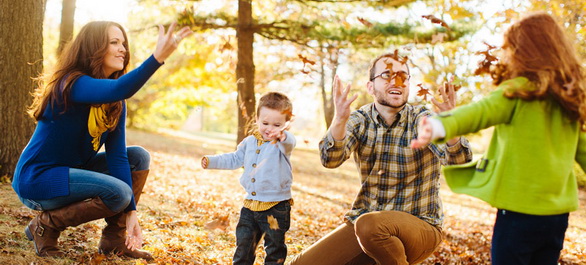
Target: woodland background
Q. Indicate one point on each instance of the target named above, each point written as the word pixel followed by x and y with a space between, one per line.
pixel 201 99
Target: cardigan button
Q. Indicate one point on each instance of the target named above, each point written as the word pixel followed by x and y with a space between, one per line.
pixel 252 180
pixel 258 151
pixel 254 165
pixel 253 193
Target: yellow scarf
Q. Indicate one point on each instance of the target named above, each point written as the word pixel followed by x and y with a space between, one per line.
pixel 259 139
pixel 98 123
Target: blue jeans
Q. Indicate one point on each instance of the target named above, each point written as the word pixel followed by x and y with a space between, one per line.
pixel 92 180
pixel 528 239
pixel 251 227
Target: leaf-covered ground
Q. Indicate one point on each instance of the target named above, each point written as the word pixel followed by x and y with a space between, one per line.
pixel 188 215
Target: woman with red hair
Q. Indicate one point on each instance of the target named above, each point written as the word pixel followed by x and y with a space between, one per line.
pixel 539 116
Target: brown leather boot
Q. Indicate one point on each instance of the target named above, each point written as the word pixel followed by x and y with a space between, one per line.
pixel 45 228
pixel 114 234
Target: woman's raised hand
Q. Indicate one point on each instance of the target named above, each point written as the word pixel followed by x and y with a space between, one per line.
pixel 169 41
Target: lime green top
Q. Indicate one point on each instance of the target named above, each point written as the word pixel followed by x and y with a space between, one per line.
pixel 528 166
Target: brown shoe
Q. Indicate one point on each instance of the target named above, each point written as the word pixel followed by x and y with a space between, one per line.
pixel 114 234
pixel 114 237
pixel 45 228
pixel 44 237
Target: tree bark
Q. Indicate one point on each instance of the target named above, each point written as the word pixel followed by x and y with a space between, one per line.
pixel 21 57
pixel 245 68
pixel 328 101
pixel 66 29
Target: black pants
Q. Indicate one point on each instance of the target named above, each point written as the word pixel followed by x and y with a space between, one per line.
pixel 273 224
pixel 528 239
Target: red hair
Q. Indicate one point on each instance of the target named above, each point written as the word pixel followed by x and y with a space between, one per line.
pixel 537 48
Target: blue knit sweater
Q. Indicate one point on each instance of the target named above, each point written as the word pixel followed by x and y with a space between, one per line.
pixel 62 141
pixel 267 173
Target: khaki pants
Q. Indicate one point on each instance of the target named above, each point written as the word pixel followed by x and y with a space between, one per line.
pixel 389 237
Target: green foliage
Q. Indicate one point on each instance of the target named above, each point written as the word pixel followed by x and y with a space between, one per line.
pixel 191 78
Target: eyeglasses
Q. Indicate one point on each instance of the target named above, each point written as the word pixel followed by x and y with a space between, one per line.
pixel 399 77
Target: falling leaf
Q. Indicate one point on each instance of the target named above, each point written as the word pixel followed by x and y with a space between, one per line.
pixel 365 22
pixel 439 37
pixel 273 223
pixel 346 25
pixel 398 77
pixel 242 107
pixel 398 58
pixel 436 20
pixel 305 60
pixel 226 46
pixel 305 70
pixel 423 92
pixel 489 60
pixel 287 112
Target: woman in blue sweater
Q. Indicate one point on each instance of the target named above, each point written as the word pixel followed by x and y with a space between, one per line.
pixel 80 107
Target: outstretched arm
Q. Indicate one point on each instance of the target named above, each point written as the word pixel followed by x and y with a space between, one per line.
pixel 91 90
pixel 448 94
pixel 342 109
pixel 428 130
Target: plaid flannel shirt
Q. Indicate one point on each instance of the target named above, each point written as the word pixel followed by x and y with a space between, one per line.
pixel 394 177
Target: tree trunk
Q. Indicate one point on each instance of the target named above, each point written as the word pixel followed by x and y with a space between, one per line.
pixel 66 30
pixel 21 57
pixel 245 68
pixel 328 102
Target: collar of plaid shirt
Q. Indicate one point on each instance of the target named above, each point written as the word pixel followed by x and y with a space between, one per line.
pixel 400 117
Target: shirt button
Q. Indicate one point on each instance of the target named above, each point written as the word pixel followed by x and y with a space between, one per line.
pixel 253 180
pixel 254 165
pixel 253 193
pixel 258 151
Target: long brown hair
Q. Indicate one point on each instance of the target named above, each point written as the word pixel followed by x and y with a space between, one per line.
pixel 537 48
pixel 82 56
